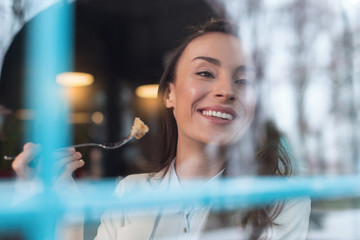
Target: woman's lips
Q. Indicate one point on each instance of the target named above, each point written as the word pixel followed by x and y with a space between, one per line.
pixel 218 114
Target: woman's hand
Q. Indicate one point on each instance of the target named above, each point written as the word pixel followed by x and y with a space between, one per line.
pixel 70 160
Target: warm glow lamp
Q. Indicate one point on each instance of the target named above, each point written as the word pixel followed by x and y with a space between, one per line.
pixel 74 79
pixel 147 91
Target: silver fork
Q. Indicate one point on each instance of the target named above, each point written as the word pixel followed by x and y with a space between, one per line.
pixel 105 146
pixel 100 145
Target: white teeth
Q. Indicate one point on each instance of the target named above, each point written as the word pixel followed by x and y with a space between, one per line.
pixel 217 114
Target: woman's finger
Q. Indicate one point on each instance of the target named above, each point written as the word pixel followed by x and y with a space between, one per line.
pixel 69 158
pixel 69 164
pixel 72 166
pixel 20 163
pixel 64 153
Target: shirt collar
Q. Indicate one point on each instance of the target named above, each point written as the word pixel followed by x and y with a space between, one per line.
pixel 174 180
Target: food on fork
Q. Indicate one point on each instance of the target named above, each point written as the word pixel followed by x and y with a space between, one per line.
pixel 139 128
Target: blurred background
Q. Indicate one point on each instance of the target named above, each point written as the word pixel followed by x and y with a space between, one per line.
pixel 123 45
pixel 307 55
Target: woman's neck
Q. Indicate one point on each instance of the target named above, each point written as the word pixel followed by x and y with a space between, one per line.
pixel 196 159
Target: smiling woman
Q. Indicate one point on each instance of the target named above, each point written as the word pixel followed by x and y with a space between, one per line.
pixel 208 103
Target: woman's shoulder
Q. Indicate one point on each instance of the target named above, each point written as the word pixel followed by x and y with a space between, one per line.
pixel 297 210
pixel 143 177
pixel 140 177
pixel 293 220
pixel 138 181
pixel 299 205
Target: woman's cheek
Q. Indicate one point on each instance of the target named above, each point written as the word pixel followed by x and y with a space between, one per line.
pixel 196 90
pixel 190 93
pixel 248 100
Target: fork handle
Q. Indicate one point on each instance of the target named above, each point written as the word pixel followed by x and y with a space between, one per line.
pixel 105 146
pixel 86 145
pixel 110 146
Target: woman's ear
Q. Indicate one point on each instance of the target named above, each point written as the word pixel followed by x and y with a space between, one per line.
pixel 169 98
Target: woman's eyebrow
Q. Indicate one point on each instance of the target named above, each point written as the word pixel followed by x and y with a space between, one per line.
pixel 245 68
pixel 241 68
pixel 208 59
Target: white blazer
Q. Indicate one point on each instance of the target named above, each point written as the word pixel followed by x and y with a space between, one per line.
pixel 293 220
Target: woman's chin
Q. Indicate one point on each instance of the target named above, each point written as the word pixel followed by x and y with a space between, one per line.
pixel 219 140
pixel 223 139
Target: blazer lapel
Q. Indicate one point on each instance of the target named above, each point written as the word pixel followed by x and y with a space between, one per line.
pixel 138 225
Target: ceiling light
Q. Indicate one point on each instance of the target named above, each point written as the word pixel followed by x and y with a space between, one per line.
pixel 74 79
pixel 97 117
pixel 147 91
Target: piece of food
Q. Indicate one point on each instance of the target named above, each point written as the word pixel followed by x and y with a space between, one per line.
pixel 139 128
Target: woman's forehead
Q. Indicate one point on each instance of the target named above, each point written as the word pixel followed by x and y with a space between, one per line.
pixel 224 47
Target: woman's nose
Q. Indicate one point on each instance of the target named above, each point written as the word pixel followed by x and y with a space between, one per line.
pixel 224 90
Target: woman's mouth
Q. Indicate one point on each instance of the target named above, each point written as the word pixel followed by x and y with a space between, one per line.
pixel 217 114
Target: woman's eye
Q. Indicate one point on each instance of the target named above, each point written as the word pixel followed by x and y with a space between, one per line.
pixel 242 82
pixel 205 74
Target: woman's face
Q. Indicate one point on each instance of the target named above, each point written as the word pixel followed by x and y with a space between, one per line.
pixel 213 96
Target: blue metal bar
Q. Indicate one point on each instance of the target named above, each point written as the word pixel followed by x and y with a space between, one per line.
pixel 49 49
pixel 223 194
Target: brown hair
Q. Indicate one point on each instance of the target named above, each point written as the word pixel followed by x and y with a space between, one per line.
pixel 271 155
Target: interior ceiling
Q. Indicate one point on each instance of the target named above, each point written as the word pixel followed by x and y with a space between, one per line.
pixel 119 42
pixel 131 37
